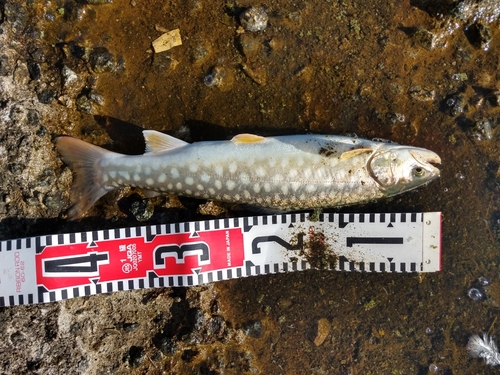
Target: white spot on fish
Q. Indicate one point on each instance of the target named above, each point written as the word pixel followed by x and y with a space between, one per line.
pixel 189 180
pixel 299 162
pixel 112 174
pixel 205 177
pixel 174 173
pixel 178 186
pixel 170 186
pixel 233 167
pixel 197 194
pixel 150 181
pixel 256 188
pixel 267 187
pixel 284 189
pixel 120 181
pixel 147 170
pixel 230 184
pixel 244 176
pixel 193 168
pixel 124 174
pixel 218 184
pixel 292 173
pixel 278 178
pixel 284 162
pixel 206 196
pixel 188 192
pixel 247 194
pixel 310 188
pixel 218 170
pixel 211 191
pixel 162 178
pixel 105 178
pixel 260 172
pixel 137 177
pixel 138 168
pixel 200 187
pixel 272 162
pixel 237 197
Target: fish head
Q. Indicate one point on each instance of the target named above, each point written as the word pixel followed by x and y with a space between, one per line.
pixel 401 168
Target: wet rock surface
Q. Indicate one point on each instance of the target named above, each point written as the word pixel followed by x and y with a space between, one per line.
pixel 422 72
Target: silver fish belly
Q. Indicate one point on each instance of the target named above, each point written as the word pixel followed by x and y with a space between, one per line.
pixel 279 173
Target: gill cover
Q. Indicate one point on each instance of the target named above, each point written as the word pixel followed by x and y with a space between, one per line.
pixel 402 168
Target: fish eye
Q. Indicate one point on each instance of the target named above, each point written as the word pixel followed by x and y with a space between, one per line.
pixel 418 171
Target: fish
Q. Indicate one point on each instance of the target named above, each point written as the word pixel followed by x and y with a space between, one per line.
pixel 282 173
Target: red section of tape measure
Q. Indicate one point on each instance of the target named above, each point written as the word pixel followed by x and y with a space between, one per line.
pixel 69 265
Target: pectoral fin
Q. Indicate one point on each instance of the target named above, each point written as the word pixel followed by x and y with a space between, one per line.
pixel 355 152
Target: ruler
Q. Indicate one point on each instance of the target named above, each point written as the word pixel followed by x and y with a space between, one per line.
pixel 61 266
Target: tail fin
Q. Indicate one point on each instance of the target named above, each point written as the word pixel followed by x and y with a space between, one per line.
pixel 88 187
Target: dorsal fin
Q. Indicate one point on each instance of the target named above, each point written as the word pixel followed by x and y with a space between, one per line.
pixel 156 141
pixel 355 152
pixel 247 138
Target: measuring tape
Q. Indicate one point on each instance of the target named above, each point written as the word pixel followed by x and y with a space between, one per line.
pixel 61 266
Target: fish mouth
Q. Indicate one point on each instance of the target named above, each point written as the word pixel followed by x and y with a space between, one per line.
pixel 428 158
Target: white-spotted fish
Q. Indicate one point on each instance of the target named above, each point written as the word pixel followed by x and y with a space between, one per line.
pixel 276 173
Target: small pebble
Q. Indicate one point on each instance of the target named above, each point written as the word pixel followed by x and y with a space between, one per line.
pixel 96 97
pixel 53 203
pixel 460 77
pixel 142 209
pixel 456 103
pixel 68 75
pixel 481 130
pixel 425 39
pixel 34 70
pixel 5 67
pixel 101 60
pixel 46 96
pixel 249 44
pixel 83 104
pixel 423 94
pixel 254 19
pixel 253 328
pixel 479 35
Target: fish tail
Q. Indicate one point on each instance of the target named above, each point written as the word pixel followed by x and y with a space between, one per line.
pixel 82 158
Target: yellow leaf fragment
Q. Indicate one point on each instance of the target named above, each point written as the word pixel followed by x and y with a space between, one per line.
pixel 323 331
pixel 167 41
